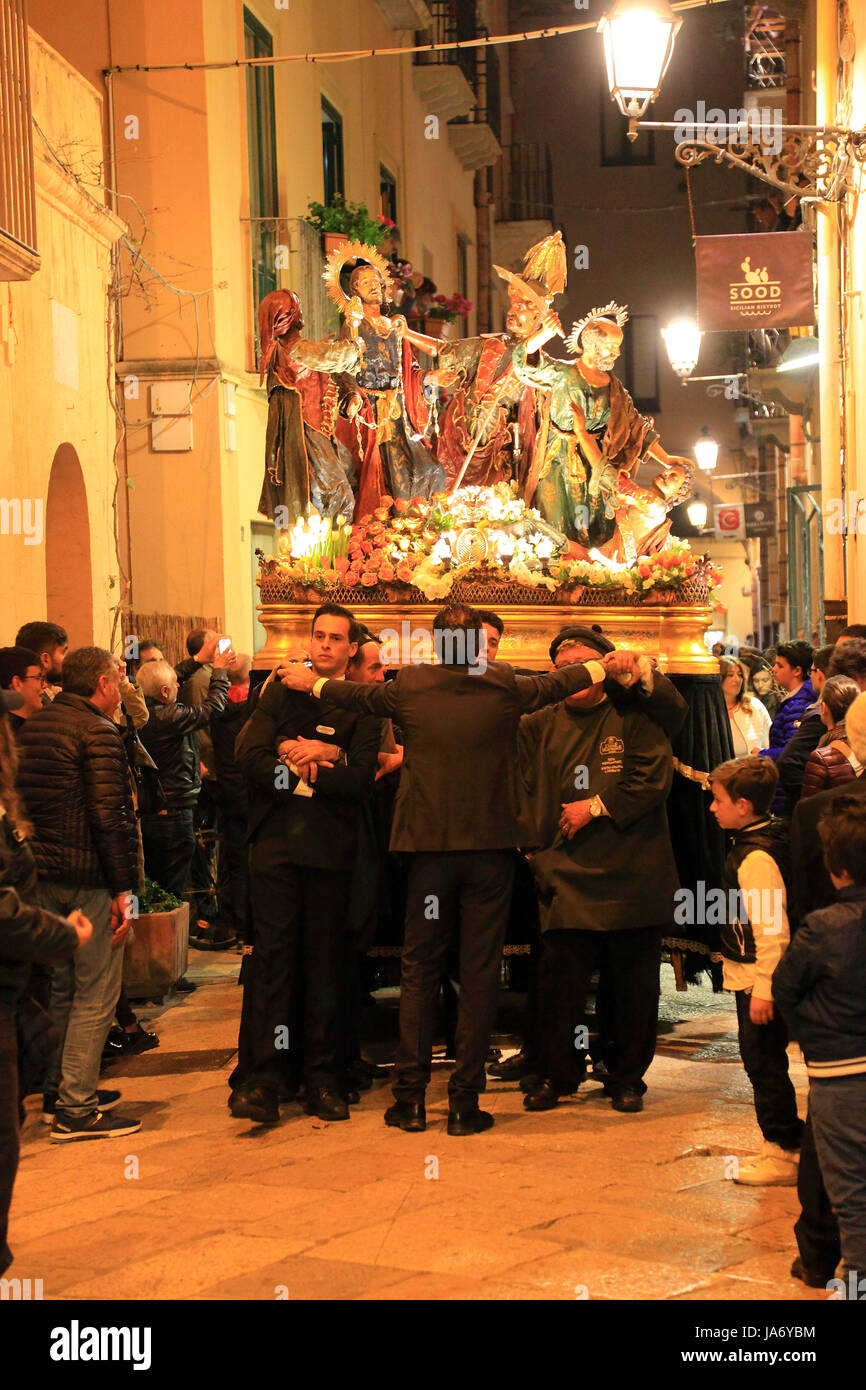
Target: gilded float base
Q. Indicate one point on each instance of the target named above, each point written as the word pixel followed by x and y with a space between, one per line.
pixel 674 633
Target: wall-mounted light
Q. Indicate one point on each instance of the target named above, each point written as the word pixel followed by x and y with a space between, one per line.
pixel 697 513
pixel 706 451
pixel 799 354
pixel 682 339
pixel 638 37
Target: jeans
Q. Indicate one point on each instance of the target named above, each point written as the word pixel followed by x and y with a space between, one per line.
pixel 471 892
pixel 763 1050
pixel 838 1111
pixel 169 844
pixel 8 1125
pixel 84 995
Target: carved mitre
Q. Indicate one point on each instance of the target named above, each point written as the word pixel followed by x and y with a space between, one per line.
pixel 337 261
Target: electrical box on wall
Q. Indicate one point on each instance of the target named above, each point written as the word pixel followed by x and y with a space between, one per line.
pixel 171 425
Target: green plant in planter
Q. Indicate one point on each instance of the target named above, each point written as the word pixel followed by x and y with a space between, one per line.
pixel 348 219
pixel 157 899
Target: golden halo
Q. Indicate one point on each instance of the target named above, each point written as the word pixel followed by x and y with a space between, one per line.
pixel 336 261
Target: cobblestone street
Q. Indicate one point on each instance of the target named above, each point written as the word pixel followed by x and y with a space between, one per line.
pixel 580 1202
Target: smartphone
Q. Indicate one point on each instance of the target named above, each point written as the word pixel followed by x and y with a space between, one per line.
pixel 223 644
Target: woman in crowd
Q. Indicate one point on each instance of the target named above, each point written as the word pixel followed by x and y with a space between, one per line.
pixel 833 761
pixel 750 722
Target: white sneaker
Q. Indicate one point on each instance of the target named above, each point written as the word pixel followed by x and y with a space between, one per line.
pixel 771 1166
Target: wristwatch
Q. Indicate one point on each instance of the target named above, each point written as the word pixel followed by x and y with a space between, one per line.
pixel 595 807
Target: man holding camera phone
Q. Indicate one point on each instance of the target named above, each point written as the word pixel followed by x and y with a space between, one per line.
pixel 171 737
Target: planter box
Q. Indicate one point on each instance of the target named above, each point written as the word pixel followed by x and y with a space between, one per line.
pixel 333 240
pixel 437 328
pixel 157 953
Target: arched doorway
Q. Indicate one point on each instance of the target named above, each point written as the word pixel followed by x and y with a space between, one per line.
pixel 68 583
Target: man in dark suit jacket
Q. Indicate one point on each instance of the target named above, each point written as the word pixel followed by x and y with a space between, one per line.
pixel 457 815
pixel 302 828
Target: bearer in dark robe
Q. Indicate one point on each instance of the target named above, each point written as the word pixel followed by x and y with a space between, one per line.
pixel 307 461
pixel 597 775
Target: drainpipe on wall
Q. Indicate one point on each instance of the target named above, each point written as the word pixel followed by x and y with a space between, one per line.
pixel 831 342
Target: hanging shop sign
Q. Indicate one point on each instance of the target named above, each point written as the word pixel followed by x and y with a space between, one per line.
pixel 760 281
pixel 730 522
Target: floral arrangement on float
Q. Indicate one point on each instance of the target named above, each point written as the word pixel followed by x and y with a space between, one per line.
pixel 480 536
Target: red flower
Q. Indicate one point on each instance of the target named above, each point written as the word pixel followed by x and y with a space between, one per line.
pixel 386 572
pixel 351 577
pixel 341 564
pixel 404 572
pixel 369 580
pixel 386 501
pixel 644 571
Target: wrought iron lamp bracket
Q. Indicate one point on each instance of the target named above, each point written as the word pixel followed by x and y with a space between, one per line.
pixel 816 166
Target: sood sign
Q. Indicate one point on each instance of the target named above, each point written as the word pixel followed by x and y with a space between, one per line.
pixel 762 281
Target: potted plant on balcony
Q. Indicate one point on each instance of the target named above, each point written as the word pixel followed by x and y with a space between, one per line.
pixel 340 222
pixel 443 311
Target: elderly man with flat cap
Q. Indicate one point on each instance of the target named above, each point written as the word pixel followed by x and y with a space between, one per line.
pixel 597 771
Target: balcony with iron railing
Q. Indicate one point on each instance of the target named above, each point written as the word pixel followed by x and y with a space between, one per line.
pixel 475 137
pixel 285 253
pixel 445 80
pixel 19 258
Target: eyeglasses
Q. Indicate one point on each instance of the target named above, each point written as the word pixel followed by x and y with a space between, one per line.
pixel 40 678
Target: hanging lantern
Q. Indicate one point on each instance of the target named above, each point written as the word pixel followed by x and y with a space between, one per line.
pixel 706 451
pixel 638 38
pixel 682 339
pixel 697 514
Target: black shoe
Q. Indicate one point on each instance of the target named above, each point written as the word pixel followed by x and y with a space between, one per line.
pixel 185 986
pixel 468 1121
pixel 255 1103
pixel 543 1096
pixel 286 1094
pixel 326 1104
pixel 630 1102
pixel 530 1081
pixel 812 1281
pixel 67 1129
pixel 119 1043
pixel 213 939
pixel 407 1114
pixel 370 1069
pixel 520 1065
pixel 358 1078
pixel 352 1097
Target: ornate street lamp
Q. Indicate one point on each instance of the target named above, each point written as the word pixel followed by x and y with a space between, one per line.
pixel 638 38
pixel 706 451
pixel 683 343
pixel 697 515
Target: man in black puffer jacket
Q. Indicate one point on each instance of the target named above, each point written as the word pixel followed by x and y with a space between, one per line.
pixel 170 737
pixel 74 781
pixel 27 935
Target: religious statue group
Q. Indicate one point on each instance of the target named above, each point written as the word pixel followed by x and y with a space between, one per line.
pixel 355 417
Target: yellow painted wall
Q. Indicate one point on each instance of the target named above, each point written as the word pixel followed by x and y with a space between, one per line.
pixel 191 512
pixel 38 413
pixel 856 337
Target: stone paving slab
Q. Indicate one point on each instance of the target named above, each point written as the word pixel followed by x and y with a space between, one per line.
pixel 573 1204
